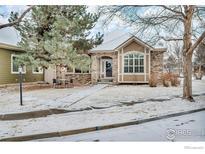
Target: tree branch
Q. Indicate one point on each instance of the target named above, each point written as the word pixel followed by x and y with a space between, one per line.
pixel 199 40
pixel 174 11
pixel 171 39
pixel 17 20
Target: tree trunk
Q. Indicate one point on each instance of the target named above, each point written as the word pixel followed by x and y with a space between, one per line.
pixel 187 87
pixel 187 57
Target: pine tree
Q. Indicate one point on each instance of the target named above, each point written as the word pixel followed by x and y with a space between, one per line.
pixel 57 35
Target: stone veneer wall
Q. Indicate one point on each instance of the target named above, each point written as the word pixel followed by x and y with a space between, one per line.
pixel 79 78
pixel 157 64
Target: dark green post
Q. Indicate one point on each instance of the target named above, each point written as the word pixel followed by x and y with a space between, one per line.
pixel 20 85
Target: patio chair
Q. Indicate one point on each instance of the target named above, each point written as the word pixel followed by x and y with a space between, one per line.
pixel 66 83
pixel 56 83
pixel 69 83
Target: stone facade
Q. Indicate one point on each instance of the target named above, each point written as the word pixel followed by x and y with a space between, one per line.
pixel 79 79
pixel 157 64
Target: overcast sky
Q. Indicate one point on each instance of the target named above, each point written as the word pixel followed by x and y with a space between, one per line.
pixel 10 35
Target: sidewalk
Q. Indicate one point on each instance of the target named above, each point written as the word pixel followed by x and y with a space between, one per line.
pixel 93 118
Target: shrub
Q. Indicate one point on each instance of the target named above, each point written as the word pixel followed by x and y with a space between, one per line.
pixel 174 80
pixel 170 79
pixel 153 80
pixel 166 79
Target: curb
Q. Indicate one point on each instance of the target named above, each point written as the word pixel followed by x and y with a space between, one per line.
pixel 97 128
pixel 37 114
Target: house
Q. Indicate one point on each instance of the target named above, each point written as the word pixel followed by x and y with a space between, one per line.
pixel 124 58
pixel 121 58
pixel 9 69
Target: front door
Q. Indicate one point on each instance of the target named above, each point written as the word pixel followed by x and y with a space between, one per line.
pixel 106 68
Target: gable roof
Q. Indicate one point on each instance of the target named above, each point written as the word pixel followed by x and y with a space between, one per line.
pixel 116 40
pixel 10 47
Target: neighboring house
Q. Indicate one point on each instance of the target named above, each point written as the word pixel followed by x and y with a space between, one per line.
pixel 124 58
pixel 9 69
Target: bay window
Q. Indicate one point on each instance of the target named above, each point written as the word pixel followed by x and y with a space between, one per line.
pixel 134 63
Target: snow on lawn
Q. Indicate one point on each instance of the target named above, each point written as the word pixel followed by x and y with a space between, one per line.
pixel 96 96
pixel 126 93
pixel 44 98
pixel 107 97
pixel 77 120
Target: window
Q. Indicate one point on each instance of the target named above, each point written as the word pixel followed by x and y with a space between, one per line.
pixel 37 70
pixel 134 63
pixel 81 71
pixel 15 65
pixel 75 70
pixel 69 69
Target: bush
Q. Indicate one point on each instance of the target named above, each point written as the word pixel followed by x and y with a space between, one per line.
pixel 198 75
pixel 166 79
pixel 174 80
pixel 170 79
pixel 153 80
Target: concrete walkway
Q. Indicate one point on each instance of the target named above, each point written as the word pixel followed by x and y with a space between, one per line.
pixel 76 97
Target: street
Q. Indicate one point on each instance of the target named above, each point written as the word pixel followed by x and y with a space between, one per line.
pixel 189 127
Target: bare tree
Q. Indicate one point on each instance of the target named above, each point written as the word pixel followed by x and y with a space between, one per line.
pixel 175 51
pixel 170 63
pixel 17 20
pixel 184 23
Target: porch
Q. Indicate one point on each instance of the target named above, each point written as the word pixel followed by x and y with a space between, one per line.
pixel 104 68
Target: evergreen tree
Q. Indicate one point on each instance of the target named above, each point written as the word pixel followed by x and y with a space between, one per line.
pixel 57 35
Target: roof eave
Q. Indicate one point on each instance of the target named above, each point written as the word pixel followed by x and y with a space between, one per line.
pixel 137 40
pixel 102 51
pixel 160 49
pixel 10 47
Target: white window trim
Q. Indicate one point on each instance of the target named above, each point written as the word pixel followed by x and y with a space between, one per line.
pixel 134 73
pixel 12 72
pixel 41 72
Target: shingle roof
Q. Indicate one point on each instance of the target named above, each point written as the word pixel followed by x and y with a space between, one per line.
pixel 114 39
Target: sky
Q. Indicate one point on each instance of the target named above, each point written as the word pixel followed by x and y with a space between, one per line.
pixel 10 35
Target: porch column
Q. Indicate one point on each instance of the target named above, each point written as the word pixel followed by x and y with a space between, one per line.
pixel 115 67
pixel 95 69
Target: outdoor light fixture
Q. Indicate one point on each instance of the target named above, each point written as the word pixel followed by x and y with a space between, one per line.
pixel 20 84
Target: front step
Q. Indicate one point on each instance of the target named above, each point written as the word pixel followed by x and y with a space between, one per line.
pixel 105 80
